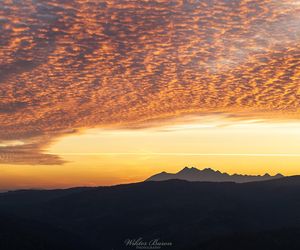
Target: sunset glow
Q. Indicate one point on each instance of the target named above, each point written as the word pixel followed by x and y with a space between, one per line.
pixel 106 92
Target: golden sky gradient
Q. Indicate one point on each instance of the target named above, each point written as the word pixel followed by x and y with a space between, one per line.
pixel 103 92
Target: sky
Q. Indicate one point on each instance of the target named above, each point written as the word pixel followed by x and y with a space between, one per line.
pixel 106 92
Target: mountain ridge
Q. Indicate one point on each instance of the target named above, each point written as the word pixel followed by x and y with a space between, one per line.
pixel 214 215
pixel 209 174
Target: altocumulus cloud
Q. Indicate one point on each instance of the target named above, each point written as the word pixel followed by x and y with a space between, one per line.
pixel 75 64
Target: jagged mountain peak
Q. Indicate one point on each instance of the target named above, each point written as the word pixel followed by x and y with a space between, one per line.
pixel 209 174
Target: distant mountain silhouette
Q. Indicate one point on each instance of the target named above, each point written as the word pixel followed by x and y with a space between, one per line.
pixel 208 174
pixel 192 215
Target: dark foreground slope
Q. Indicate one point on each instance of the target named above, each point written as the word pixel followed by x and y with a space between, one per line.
pixel 190 215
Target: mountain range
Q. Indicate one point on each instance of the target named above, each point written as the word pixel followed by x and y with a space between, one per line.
pixel 210 175
pixel 189 215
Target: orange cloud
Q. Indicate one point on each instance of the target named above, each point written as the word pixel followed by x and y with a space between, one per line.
pixel 78 64
pixel 28 152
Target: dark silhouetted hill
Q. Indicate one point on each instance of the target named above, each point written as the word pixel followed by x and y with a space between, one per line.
pixel 208 174
pixel 191 215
